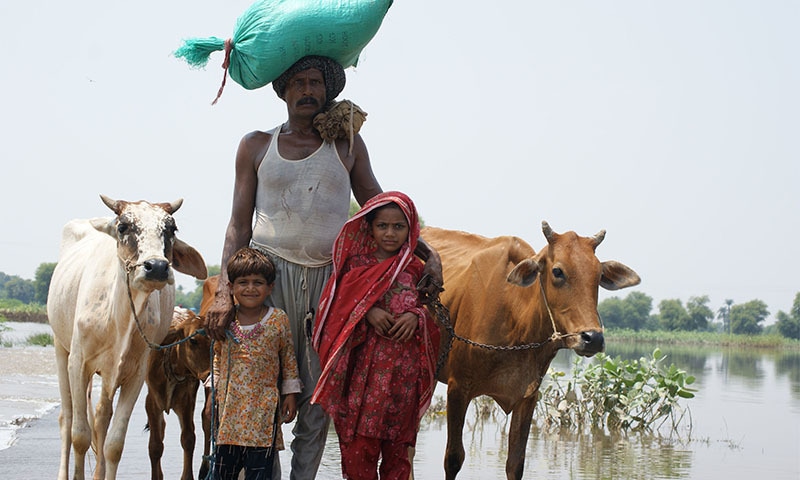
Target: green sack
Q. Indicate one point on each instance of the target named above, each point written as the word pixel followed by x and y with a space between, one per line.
pixel 273 34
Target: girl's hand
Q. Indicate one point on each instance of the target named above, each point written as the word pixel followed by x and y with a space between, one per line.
pixel 381 320
pixel 289 407
pixel 404 327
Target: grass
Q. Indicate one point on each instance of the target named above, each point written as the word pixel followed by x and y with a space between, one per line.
pixel 662 337
pixel 40 339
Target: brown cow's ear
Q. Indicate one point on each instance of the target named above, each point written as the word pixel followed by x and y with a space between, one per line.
pixel 186 259
pixel 616 276
pixel 524 274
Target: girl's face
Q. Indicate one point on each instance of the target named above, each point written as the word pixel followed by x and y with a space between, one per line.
pixel 250 291
pixel 390 230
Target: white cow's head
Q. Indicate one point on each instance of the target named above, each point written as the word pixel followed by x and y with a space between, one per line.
pixel 146 243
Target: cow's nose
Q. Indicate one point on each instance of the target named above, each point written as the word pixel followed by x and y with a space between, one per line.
pixel 593 341
pixel 156 269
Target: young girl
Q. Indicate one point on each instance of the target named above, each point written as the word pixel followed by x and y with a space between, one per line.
pixel 376 341
pixel 247 366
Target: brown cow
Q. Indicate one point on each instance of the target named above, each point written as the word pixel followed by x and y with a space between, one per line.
pixel 173 376
pixel 494 299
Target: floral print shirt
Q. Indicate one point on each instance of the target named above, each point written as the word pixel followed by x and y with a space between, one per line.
pixel 246 373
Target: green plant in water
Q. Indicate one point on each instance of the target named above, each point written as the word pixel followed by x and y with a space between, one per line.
pixel 639 395
pixel 40 339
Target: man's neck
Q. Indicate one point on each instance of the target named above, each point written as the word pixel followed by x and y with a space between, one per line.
pixel 300 128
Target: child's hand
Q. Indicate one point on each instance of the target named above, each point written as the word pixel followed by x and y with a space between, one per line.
pixel 404 327
pixel 381 320
pixel 289 407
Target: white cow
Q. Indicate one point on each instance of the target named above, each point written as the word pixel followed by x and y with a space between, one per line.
pixel 111 295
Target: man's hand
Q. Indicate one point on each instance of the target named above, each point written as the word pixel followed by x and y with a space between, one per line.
pixel 220 314
pixel 432 281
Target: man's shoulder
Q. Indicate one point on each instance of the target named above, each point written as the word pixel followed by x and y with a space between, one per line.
pixel 258 136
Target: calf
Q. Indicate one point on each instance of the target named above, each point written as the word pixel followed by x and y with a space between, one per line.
pixel 173 377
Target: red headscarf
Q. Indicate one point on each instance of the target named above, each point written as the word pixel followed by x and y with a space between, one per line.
pixel 355 239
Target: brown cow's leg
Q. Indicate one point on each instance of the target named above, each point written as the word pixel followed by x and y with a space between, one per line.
pixel 206 416
pixel 155 447
pixel 186 395
pixel 518 437
pixel 457 403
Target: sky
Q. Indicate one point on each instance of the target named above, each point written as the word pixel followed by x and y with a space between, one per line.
pixel 675 126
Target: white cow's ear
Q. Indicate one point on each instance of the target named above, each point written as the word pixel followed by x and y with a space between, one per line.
pixel 186 259
pixel 104 225
pixel 524 274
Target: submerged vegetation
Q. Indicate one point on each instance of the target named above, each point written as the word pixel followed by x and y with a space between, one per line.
pixel 617 395
pixel 605 394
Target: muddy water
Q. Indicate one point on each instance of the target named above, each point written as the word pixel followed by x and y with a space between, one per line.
pixel 745 423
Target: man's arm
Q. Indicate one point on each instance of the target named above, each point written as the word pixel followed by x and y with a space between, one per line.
pixel 239 230
pixel 362 180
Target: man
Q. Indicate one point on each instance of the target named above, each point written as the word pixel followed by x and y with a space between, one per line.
pixel 298 187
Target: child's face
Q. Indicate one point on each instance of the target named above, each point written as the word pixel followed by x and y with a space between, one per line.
pixel 251 290
pixel 390 230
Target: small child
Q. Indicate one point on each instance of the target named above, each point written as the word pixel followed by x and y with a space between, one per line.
pixel 247 366
pixel 376 341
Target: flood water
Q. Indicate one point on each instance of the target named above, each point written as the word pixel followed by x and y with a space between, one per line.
pixel 745 423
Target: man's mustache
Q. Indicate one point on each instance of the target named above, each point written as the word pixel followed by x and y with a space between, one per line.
pixel 308 100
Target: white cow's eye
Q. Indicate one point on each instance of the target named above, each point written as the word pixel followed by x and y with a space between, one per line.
pixel 122 228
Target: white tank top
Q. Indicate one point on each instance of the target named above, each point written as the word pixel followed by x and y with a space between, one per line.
pixel 301 204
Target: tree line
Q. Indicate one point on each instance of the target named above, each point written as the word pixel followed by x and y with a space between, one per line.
pixel 633 312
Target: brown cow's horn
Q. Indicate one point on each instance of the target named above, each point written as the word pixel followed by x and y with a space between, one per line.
pixel 174 206
pixel 114 205
pixel 548 232
pixel 598 238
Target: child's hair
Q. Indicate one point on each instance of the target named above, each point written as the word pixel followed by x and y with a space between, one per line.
pixel 249 261
pixel 370 216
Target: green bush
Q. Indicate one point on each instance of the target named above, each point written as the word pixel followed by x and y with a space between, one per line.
pixel 40 339
pixel 617 395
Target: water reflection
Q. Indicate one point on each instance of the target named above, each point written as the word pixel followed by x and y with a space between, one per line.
pixel 745 422
pixel 598 455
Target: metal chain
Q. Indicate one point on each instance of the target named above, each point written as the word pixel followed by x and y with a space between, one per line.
pixel 442 314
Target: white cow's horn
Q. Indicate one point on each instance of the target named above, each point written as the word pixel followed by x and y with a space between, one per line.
pixel 174 206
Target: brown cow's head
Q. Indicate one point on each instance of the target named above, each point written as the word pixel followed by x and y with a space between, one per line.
pixel 194 355
pixel 570 275
pixel 146 243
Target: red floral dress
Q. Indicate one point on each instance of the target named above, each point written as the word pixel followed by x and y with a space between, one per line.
pixel 381 381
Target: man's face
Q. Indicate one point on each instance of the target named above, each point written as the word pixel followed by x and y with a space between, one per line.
pixel 306 91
